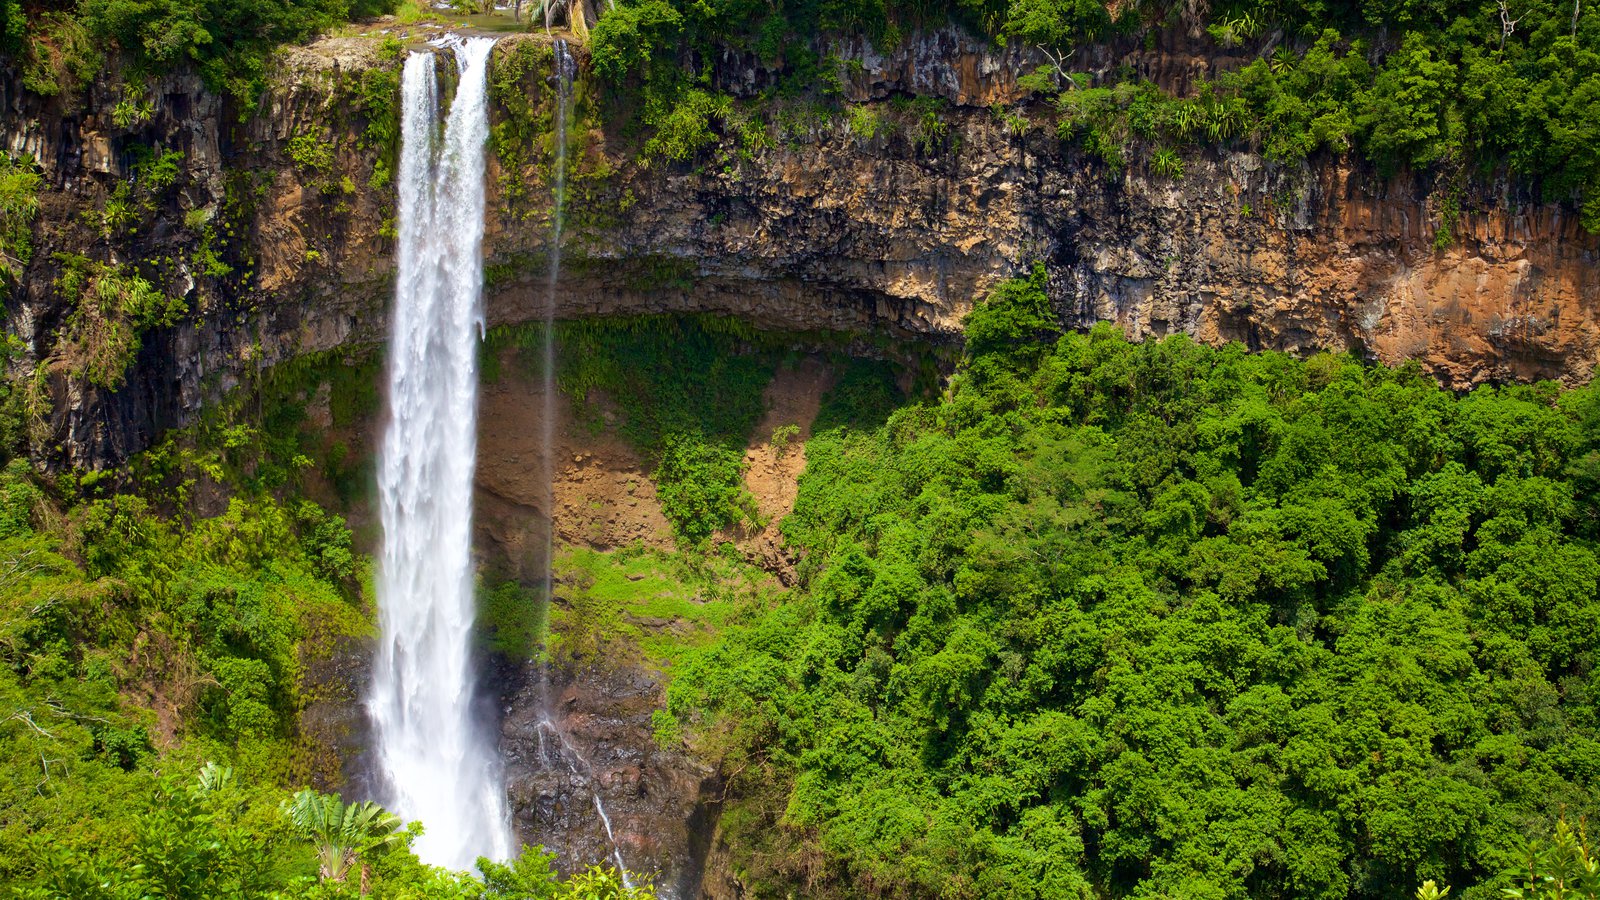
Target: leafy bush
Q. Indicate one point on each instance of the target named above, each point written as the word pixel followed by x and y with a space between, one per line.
pixel 61 58
pixel 683 123
pixel 627 39
pixel 112 307
pixel 1160 619
pixel 19 203
pixel 701 487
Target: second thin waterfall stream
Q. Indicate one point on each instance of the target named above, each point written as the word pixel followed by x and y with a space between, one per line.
pixel 561 749
pixel 438 763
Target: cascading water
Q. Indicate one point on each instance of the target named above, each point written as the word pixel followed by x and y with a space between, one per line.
pixel 562 751
pixel 438 766
pixel 564 69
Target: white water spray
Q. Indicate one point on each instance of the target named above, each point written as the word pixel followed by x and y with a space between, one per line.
pixel 438 765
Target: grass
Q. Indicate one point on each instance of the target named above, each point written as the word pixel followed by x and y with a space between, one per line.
pixel 648 605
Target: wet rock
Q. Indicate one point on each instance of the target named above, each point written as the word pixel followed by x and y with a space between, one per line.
pixel 333 726
pixel 587 735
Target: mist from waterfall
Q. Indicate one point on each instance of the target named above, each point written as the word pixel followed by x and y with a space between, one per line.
pixel 438 763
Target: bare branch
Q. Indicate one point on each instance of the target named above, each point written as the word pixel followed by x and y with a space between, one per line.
pixel 60 710
pixel 1059 61
pixel 26 718
pixel 1508 25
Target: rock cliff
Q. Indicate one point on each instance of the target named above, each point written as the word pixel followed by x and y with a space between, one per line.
pixel 895 225
pixel 886 215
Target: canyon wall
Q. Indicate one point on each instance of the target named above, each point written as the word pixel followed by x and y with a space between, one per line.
pixel 893 227
pixel 880 215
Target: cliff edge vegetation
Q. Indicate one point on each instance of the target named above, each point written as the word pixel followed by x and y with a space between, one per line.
pixel 1467 87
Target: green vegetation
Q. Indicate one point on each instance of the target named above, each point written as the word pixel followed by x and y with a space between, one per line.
pixel 511 621
pixel 270 442
pixel 1442 93
pixel 689 391
pixel 62 57
pixel 639 605
pixel 342 833
pixel 229 41
pixel 124 630
pixel 19 203
pixel 112 307
pixel 1165 620
pixel 1565 865
pixel 213 838
pixel 517 86
pixel 1101 619
pixel 1562 866
pixel 154 663
pixel 1480 83
pixel 378 98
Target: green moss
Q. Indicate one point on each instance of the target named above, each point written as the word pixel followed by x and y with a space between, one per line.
pixel 514 266
pixel 646 605
pixel 521 139
pixel 377 95
pixel 262 436
pixel 313 155
pixel 511 621
pixel 646 272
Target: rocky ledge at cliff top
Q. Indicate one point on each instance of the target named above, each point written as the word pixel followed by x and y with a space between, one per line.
pixel 822 227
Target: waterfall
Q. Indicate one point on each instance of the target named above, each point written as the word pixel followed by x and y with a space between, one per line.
pixel 564 68
pixel 439 766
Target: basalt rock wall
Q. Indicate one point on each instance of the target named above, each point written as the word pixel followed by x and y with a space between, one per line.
pixel 894 227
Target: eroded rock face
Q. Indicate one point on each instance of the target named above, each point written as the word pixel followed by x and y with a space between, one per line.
pixel 586 779
pixel 850 233
pixel 897 230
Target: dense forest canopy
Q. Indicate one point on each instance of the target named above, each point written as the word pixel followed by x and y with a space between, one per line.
pixel 1166 620
pixel 1099 619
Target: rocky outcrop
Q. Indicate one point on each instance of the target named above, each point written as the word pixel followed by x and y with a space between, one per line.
pixel 897 225
pixel 586 779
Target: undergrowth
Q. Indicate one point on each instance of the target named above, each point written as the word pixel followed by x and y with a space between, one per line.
pixel 689 390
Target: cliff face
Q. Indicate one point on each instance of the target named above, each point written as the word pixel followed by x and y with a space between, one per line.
pixel 894 218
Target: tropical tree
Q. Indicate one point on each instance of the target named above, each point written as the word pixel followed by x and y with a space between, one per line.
pixel 342 832
pixel 1564 867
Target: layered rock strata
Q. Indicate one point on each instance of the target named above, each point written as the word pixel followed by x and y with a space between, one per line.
pixel 897 226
